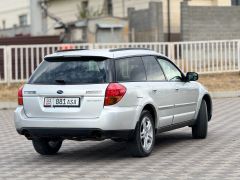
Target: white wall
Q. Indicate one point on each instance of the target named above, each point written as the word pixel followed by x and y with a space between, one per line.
pixel 210 2
pixel 10 10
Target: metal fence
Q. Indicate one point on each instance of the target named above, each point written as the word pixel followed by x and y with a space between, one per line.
pixel 18 62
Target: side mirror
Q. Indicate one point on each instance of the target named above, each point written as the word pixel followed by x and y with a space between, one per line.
pixel 192 76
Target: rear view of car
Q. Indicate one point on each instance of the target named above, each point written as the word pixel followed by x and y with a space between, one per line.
pixel 67 88
pixel 65 99
pixel 122 94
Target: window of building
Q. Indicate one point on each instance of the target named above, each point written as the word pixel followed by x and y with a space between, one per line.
pixel 23 20
pixel 84 5
pixel 235 2
pixel 109 7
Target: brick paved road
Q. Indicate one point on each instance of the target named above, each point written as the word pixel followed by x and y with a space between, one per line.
pixel 176 154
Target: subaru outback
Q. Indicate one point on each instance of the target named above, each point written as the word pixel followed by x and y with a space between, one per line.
pixel 127 94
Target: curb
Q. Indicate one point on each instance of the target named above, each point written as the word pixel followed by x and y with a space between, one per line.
pixel 8 105
pixel 227 94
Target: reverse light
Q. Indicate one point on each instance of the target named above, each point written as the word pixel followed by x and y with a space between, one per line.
pixel 114 93
pixel 20 96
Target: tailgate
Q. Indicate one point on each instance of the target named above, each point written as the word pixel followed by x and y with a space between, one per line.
pixel 88 100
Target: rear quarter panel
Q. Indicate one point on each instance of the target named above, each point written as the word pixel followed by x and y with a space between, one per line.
pixel 137 95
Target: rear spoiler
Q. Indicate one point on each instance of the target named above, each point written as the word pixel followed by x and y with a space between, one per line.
pixel 74 58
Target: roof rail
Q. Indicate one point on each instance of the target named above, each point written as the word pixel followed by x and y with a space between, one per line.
pixel 66 50
pixel 123 49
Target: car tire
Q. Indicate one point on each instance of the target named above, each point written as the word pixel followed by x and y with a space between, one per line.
pixel 142 142
pixel 200 128
pixel 45 146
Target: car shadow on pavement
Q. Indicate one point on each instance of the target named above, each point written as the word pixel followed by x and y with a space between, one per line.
pixel 110 150
pixel 168 139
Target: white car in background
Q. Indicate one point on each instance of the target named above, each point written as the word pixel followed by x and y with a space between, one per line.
pixel 124 94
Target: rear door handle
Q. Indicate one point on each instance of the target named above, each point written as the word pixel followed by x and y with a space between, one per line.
pixel 154 90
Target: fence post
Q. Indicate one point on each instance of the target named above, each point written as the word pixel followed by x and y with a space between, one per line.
pixel 171 51
pixel 93 46
pixel 238 55
pixel 5 63
pixel 8 64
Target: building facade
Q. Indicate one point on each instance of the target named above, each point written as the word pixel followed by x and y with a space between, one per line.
pixel 171 19
pixel 21 17
pixel 14 13
pixel 14 18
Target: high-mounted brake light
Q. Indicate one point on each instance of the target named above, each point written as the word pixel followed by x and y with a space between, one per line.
pixel 20 96
pixel 114 93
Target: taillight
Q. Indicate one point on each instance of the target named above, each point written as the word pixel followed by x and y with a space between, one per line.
pixel 20 96
pixel 114 93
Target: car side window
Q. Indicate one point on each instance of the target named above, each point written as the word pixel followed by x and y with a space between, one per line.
pixel 171 72
pixel 130 69
pixel 153 69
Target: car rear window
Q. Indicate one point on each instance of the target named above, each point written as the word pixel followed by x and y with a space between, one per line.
pixel 81 70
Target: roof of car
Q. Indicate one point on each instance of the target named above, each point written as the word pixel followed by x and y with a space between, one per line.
pixel 108 53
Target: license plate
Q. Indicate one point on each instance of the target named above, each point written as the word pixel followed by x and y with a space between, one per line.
pixel 61 102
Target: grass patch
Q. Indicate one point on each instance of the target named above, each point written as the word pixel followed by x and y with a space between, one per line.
pixel 221 82
pixel 9 93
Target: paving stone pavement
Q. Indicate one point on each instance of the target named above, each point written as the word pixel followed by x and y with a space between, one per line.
pixel 176 155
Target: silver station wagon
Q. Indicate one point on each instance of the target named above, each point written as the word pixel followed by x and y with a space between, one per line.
pixel 126 94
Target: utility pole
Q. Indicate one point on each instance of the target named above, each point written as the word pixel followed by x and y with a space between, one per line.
pixel 123 7
pixel 169 20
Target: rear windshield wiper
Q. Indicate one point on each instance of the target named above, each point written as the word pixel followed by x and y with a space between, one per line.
pixel 60 81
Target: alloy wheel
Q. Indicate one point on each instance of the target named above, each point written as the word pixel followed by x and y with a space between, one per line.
pixel 146 134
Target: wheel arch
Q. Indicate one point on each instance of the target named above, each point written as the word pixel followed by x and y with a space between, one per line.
pixel 149 107
pixel 208 101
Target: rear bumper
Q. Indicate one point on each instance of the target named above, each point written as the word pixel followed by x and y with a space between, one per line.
pixel 117 119
pixel 75 133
